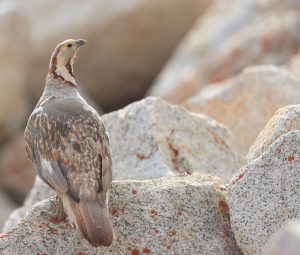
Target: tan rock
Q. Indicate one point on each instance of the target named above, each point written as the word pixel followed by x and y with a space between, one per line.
pixel 128 42
pixel 247 102
pixel 293 65
pixel 17 173
pixel 7 206
pixel 232 35
pixel 14 105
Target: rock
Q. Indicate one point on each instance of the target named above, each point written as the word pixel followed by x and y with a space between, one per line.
pixel 286 241
pixel 149 217
pixel 7 206
pixel 285 120
pixel 151 139
pixel 247 102
pixel 39 192
pixel 14 105
pixel 265 193
pixel 17 173
pixel 228 38
pixel 129 42
pixel 294 65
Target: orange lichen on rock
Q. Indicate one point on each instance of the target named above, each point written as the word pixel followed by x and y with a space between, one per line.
pixel 140 156
pixel 219 140
pixel 223 206
pixel 53 231
pixel 175 153
pixel 57 220
pixel 239 177
pixel 153 212
pixel 146 250
pixel 135 252
pixel 113 211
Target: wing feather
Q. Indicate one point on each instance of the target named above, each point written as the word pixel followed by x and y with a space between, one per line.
pixel 53 174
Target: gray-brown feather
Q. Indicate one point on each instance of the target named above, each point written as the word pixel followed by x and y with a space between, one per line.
pixel 65 133
pixel 92 218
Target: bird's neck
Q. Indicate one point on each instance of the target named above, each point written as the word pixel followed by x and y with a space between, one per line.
pixel 54 88
pixel 62 70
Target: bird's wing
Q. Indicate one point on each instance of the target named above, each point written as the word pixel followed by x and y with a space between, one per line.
pixel 38 144
pixel 69 151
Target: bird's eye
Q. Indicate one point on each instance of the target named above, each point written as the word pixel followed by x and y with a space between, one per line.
pixel 69 45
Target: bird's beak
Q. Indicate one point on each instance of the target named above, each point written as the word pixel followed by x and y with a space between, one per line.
pixel 80 42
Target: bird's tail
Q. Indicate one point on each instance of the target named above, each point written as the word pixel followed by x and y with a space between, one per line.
pixel 92 219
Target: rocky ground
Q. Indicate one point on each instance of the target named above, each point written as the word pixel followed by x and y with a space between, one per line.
pixel 208 164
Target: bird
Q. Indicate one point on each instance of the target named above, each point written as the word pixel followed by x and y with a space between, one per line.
pixel 68 145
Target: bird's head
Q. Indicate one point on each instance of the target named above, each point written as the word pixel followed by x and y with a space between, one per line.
pixel 62 60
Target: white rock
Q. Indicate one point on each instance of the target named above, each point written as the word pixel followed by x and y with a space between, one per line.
pixel 285 120
pixel 39 192
pixel 286 241
pixel 186 214
pixel 151 139
pixel 265 194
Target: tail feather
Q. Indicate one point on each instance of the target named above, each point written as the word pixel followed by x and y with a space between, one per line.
pixel 92 219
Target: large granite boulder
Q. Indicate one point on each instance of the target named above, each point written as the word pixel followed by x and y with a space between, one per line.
pixel 186 214
pixel 265 193
pixel 151 139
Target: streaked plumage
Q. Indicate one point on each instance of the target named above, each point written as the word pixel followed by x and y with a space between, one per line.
pixel 69 148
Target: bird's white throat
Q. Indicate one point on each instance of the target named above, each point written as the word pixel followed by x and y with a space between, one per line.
pixel 63 71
